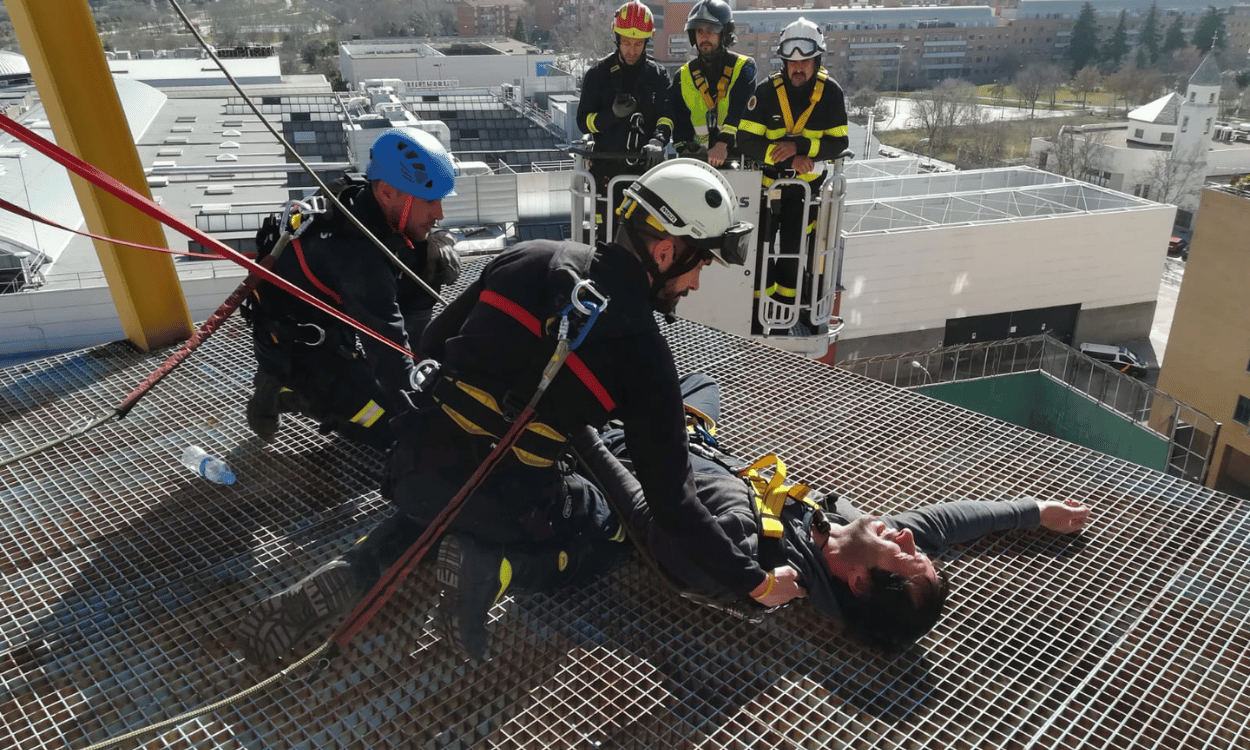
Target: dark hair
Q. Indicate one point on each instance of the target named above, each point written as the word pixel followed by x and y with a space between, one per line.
pixel 888 618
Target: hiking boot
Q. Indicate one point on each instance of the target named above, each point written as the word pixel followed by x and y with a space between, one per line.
pixel 272 627
pixel 470 574
pixel 263 408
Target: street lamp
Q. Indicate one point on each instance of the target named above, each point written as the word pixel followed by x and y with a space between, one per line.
pixel 917 366
pixel 898 68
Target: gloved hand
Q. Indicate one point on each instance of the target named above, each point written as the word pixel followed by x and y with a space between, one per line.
pixel 442 250
pixel 653 151
pixel 624 105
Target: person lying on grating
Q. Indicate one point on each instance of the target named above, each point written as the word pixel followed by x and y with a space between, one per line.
pixel 872 574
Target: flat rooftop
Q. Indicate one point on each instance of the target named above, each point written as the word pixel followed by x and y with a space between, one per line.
pixel 124 575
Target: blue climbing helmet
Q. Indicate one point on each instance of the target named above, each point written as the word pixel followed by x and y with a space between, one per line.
pixel 413 162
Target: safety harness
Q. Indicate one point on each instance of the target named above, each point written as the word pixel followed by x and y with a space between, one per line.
pixel 796 127
pixel 477 411
pixel 698 96
pixel 769 492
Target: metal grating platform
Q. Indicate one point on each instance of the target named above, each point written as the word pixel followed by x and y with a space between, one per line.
pixel 123 576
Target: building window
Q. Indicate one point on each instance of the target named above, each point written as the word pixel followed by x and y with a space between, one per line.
pixel 1192 94
pixel 1138 133
pixel 1211 100
pixel 1184 124
pixel 1241 414
pixel 1168 137
pixel 1207 129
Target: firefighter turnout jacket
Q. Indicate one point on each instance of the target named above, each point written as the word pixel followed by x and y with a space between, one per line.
pixel 812 116
pixel 647 82
pixel 334 262
pixel 720 89
pixel 495 338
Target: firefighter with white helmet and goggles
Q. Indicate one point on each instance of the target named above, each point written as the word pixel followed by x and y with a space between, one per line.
pixel 795 122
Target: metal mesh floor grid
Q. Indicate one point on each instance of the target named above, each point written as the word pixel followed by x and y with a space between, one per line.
pixel 124 575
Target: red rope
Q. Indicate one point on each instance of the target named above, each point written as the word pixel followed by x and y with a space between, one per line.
pixel 124 192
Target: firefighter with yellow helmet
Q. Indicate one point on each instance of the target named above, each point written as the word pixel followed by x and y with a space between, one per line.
pixel 795 122
pixel 623 104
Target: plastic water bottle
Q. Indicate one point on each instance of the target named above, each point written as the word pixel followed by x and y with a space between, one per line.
pixel 197 459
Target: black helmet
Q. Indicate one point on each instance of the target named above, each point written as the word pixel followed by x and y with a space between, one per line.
pixel 715 12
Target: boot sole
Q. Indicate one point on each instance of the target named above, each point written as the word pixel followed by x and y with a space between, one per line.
pixel 448 615
pixel 274 626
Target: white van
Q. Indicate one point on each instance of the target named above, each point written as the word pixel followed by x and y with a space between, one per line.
pixel 1120 357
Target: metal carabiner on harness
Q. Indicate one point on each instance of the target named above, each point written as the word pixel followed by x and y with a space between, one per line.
pixel 320 332
pixel 590 309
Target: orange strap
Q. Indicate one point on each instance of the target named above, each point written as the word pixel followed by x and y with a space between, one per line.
pixel 525 318
pixel 303 264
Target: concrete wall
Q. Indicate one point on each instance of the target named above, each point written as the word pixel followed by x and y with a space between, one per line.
pixel 1208 355
pixel 1038 402
pixel 914 280
pixel 72 318
pixel 486 71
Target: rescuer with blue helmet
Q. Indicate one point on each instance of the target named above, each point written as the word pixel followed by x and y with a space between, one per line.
pixel 314 364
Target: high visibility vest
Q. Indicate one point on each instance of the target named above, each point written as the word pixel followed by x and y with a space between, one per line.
pixel 699 100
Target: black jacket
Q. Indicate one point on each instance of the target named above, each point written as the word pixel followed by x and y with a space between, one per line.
pixel 823 135
pixel 647 82
pixel 346 270
pixel 628 356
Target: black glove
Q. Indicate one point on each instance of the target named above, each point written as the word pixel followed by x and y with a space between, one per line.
pixel 442 250
pixel 267 236
pixel 624 105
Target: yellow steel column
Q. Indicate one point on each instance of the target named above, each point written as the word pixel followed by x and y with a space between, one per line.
pixel 61 43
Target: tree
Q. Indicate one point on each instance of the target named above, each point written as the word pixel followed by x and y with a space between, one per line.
pixel 1029 85
pixel 1142 60
pixel 1052 81
pixel 1174 39
pixel 1085 82
pixel 939 110
pixel 1083 44
pixel 1076 153
pixel 1210 31
pixel 1149 37
pixel 862 101
pixel 1116 47
pixel 1167 178
pixel 867 74
pixel 519 33
pixel 998 91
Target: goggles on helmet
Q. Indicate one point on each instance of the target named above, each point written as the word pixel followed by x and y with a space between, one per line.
pixel 797 48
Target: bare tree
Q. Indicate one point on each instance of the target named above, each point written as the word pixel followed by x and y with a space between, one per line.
pixel 1077 153
pixel 1029 85
pixel 862 101
pixel 1085 81
pixel 1052 80
pixel 587 31
pixel 943 107
pixel 1167 178
pixel 1123 83
pixel 988 146
pixel 866 74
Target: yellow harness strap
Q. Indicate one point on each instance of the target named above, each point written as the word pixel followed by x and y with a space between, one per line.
pixel 770 493
pixel 700 82
pixel 792 127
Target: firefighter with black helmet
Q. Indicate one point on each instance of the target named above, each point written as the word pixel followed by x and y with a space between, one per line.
pixel 623 105
pixel 309 362
pixel 795 122
pixel 710 94
pixel 533 524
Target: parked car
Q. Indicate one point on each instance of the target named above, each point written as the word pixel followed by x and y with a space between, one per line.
pixel 1178 246
pixel 1120 357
